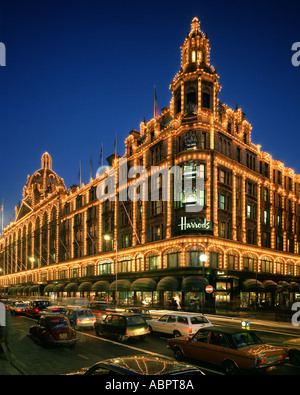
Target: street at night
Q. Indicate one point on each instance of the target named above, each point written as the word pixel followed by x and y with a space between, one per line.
pixel 32 359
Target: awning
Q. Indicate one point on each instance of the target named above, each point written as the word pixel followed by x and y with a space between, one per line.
pixel 34 288
pixel 85 287
pixel 122 285
pixel 252 285
pixel 100 286
pixel 285 284
pixel 71 287
pixel 295 286
pixel 193 284
pixel 270 285
pixel 26 289
pixel 168 283
pixel 49 288
pixel 20 290
pixel 143 284
pixel 59 288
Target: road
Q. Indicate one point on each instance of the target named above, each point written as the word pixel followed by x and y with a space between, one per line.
pixel 32 359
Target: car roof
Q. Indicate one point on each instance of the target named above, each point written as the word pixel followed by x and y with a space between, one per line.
pixel 148 364
pixel 224 329
pixel 124 314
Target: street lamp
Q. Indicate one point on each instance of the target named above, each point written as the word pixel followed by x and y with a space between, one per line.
pixel 107 237
pixel 203 258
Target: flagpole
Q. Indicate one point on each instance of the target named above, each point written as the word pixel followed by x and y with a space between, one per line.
pixel 101 154
pixel 80 174
pixel 2 215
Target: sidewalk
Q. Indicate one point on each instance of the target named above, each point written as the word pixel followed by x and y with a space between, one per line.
pixel 6 368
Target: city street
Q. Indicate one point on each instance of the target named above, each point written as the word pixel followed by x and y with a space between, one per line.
pixel 32 359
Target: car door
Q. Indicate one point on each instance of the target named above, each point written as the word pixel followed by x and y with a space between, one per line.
pixel 171 324
pixel 159 325
pixel 217 348
pixel 196 347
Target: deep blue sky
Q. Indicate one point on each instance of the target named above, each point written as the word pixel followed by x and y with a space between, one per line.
pixel 80 70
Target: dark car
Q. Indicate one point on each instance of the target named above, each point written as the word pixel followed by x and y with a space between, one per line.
pixel 140 365
pixel 101 309
pixel 140 310
pixel 36 307
pixel 53 330
pixel 18 308
pixel 234 349
pixel 122 326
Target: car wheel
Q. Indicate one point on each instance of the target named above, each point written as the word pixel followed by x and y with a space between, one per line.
pixel 121 338
pixel 98 332
pixel 294 356
pixel 176 334
pixel 230 368
pixel 178 354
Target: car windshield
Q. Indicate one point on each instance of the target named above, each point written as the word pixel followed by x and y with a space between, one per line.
pixel 20 305
pixel 198 319
pixel 59 323
pixel 135 320
pixel 84 313
pixel 245 339
pixel 42 303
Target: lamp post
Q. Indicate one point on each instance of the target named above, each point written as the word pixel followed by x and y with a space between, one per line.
pixel 32 260
pixel 203 258
pixel 107 237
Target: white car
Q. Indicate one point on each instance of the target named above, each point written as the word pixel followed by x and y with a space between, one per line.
pixel 179 324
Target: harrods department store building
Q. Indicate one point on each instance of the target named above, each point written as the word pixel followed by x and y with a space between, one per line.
pixel 58 244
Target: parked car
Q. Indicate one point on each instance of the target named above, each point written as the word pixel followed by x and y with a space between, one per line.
pixel 55 310
pixel 179 324
pixel 122 326
pixel 233 349
pixel 18 308
pixel 140 365
pixel 36 307
pixel 80 317
pixel 293 349
pixel 53 330
pixel 101 309
pixel 140 310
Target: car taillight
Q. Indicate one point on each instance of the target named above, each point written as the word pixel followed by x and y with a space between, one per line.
pixel 36 310
pixel 127 331
pixel 78 320
pixel 190 330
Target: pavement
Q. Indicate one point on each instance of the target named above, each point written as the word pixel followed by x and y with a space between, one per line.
pixel 9 365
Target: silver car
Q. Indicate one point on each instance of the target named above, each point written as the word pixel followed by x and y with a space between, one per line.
pixel 179 324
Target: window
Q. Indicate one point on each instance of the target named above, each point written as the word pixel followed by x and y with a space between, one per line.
pixel 266 266
pixel 249 264
pixel 205 100
pixel 173 260
pixel 194 56
pixel 193 258
pixel 266 217
pixel 104 268
pixel 214 258
pixel 231 262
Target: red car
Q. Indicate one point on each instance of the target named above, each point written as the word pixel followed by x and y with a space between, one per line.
pixel 53 330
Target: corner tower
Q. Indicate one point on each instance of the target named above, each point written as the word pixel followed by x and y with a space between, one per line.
pixel 196 87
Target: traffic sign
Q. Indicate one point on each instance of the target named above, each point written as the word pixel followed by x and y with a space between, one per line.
pixel 280 286
pixel 209 289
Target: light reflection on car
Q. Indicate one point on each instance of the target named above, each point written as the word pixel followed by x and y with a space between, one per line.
pixel 140 365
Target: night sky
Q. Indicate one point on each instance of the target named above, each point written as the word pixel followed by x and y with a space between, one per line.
pixel 79 71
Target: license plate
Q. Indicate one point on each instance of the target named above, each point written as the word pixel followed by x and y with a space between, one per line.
pixel 63 336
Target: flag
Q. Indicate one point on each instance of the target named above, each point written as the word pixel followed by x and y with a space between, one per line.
pixel 101 155
pixel 79 174
pixel 156 110
pixel 91 167
pixel 2 207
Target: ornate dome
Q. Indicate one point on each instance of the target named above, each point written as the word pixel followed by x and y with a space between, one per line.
pixel 43 182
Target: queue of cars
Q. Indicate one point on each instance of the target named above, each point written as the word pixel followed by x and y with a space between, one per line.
pixel 191 336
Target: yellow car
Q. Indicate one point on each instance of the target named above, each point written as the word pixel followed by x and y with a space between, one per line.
pixel 293 348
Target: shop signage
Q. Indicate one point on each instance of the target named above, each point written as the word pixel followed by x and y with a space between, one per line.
pixel 191 224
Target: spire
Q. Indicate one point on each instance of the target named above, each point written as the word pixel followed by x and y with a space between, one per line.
pixel 195 25
pixel 46 161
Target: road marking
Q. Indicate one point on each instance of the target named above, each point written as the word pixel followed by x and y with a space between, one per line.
pixel 82 356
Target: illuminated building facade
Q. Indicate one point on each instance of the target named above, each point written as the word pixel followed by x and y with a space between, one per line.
pixel 64 241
